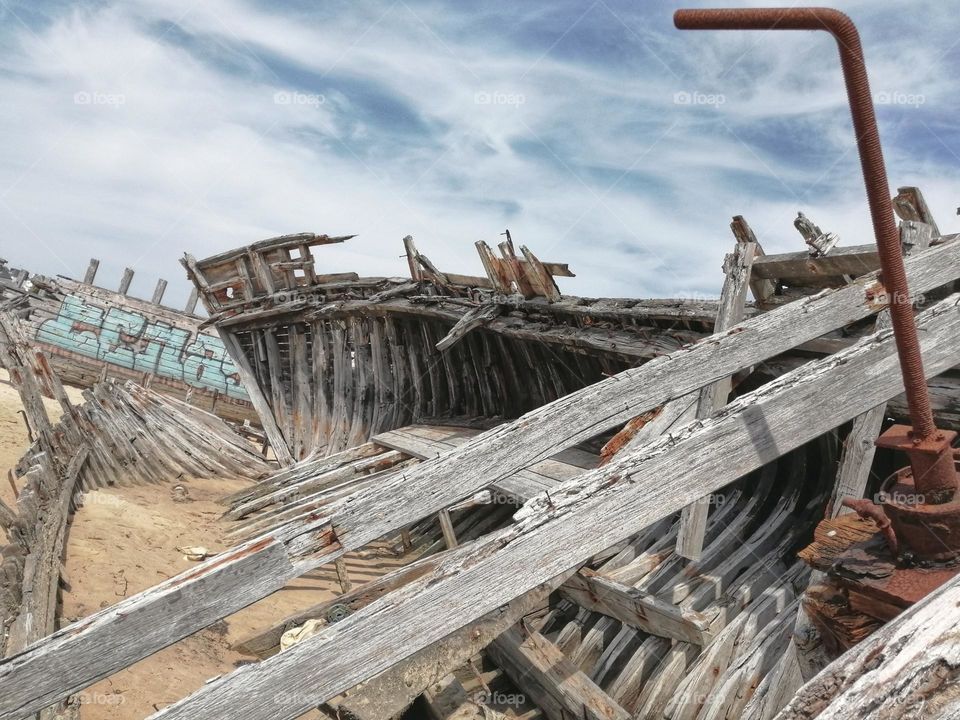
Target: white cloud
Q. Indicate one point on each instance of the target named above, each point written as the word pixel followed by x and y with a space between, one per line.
pixel 587 159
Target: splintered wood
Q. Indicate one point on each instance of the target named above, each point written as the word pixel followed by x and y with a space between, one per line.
pixel 458 418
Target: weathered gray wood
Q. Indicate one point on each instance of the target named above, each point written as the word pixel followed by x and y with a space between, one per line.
pixel 855 260
pixel 915 235
pixel 637 609
pixel 41 574
pixel 158 291
pixel 257 399
pixel 911 205
pixel 733 298
pixel 343 575
pixel 763 289
pixel 120 635
pixel 125 281
pixel 826 410
pixel 91 274
pixel 859 449
pixel 475 318
pixel 389 694
pixel 446 527
pixel 448 700
pixel 638 488
pixel 411 254
pixel 556 685
pixel 497 453
pixel 191 307
pixel 906 669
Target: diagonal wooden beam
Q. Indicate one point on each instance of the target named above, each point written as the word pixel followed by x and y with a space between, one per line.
pixel 499 452
pixel 556 684
pixel 313 541
pixel 614 501
pixel 733 299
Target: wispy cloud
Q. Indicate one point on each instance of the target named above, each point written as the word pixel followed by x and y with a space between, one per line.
pixel 596 132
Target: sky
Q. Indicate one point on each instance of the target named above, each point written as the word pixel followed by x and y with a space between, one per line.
pixel 595 131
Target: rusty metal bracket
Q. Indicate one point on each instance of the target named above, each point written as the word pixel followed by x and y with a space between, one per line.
pixel 932 473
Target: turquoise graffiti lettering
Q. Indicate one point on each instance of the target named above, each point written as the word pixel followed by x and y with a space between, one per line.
pixel 128 339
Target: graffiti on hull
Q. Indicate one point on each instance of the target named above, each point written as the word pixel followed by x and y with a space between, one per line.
pixel 131 340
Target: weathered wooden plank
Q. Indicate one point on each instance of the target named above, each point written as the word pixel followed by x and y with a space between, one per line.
pixel 910 205
pixel 191 307
pixel 859 449
pixel 855 260
pixel 446 527
pixel 471 320
pixel 906 669
pixel 114 638
pixel 637 489
pixel 637 609
pixel 555 684
pixel 733 298
pixel 497 453
pixel 257 399
pixel 41 574
pixel 91 274
pixel 125 281
pixel 763 289
pixel 158 291
pixel 389 694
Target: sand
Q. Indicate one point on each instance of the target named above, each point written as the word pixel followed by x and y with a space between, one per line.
pixel 124 540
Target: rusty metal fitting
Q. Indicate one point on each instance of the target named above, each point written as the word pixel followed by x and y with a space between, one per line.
pixel 932 471
pixel 893 273
pixel 927 447
pixel 931 531
pixel 870 511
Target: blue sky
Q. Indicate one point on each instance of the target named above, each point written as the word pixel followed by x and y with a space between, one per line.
pixel 596 132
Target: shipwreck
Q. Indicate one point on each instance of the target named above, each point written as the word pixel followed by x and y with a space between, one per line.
pixel 606 508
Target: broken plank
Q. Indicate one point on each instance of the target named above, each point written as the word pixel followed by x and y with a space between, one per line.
pixel 389 694
pixel 905 669
pixel 733 298
pixel 637 488
pixel 539 668
pixel 498 453
pixel 636 609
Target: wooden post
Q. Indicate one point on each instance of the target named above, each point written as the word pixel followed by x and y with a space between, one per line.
pixel 910 204
pixel 416 273
pixel 91 273
pixel 125 281
pixel 446 527
pixel 343 575
pixel 733 298
pixel 191 306
pixel 761 289
pixel 158 291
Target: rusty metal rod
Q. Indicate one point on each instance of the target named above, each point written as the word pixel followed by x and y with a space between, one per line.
pixel 894 275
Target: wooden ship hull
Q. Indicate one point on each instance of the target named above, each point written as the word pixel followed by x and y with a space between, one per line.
pixel 91 333
pixel 602 502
